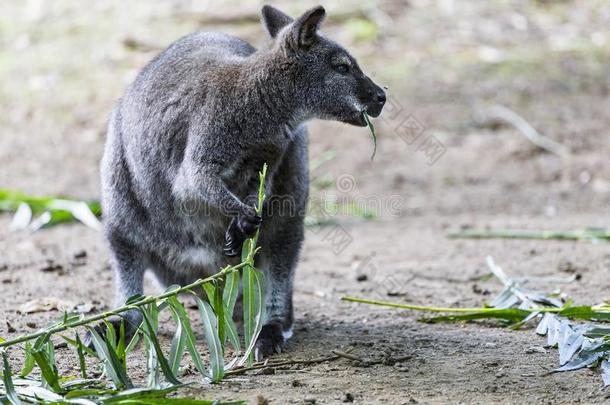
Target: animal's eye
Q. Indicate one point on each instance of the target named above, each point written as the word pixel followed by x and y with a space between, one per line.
pixel 342 68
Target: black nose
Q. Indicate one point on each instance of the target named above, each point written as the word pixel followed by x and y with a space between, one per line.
pixel 381 96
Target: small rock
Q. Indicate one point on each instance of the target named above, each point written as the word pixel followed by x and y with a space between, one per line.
pixel 52 267
pixel 10 328
pixel 362 277
pixel 566 266
pixel 490 345
pixel 296 383
pixel 478 290
pixel 260 400
pixel 535 349
pixel 310 400
pixel 31 325
pixel 348 397
pixel 267 371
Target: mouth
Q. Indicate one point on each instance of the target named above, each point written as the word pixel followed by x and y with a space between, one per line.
pixel 374 111
pixel 356 119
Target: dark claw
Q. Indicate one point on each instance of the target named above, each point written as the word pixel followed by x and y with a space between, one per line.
pixel 240 228
pixel 249 225
pixel 234 239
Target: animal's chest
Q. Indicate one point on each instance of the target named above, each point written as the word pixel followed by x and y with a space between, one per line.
pixel 242 175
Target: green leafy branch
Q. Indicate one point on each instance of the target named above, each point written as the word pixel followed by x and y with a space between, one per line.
pixel 580 344
pixel 111 350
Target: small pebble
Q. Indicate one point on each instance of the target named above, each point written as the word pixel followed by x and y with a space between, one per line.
pixel 535 349
pixel 310 400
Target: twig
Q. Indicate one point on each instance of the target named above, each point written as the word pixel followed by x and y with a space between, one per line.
pixel 499 112
pixel 258 366
pixel 505 114
pixel 348 356
pixel 525 234
pixel 134 305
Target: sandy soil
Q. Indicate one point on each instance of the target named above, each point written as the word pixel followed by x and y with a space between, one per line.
pixel 445 63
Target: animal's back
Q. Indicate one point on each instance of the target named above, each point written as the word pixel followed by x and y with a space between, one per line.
pixel 151 121
pixel 148 129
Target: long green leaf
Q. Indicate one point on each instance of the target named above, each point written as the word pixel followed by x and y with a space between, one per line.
pixel 508 314
pixel 210 328
pixel 232 334
pixel 253 311
pixel 29 363
pixel 133 342
pixel 60 209
pixel 142 396
pixel 215 294
pixel 165 368
pixel 47 370
pixel 219 310
pixel 230 293
pixel 7 378
pixel 373 135
pixel 74 343
pixel 178 344
pixel 191 344
pixel 107 355
pixel 231 290
pixel 80 351
pixel 586 312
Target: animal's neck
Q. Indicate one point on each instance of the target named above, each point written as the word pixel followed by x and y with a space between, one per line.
pixel 269 87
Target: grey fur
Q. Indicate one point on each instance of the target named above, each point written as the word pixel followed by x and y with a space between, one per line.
pixel 185 144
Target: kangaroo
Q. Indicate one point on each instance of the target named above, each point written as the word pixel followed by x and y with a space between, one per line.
pixel 186 142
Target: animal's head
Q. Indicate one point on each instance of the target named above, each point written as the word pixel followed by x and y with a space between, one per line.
pixel 328 79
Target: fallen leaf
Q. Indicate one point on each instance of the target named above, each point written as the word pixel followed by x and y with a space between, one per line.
pixel 46 304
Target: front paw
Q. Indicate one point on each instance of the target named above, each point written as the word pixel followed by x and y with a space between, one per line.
pixel 248 222
pixel 270 340
pixel 242 227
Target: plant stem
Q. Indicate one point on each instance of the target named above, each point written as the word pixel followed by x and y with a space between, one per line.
pixel 584 234
pixel 124 308
pixel 438 309
pixel 259 211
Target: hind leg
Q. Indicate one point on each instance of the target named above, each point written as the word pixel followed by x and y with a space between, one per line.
pixel 129 265
pixel 278 262
pixel 281 238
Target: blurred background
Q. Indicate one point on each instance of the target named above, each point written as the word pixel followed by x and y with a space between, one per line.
pixel 445 63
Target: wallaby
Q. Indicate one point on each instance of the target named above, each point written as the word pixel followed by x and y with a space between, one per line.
pixel 187 140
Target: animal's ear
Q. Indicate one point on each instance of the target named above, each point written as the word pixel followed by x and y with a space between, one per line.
pixel 274 20
pixel 305 27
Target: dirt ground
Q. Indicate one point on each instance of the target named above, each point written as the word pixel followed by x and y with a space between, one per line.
pixel 62 64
